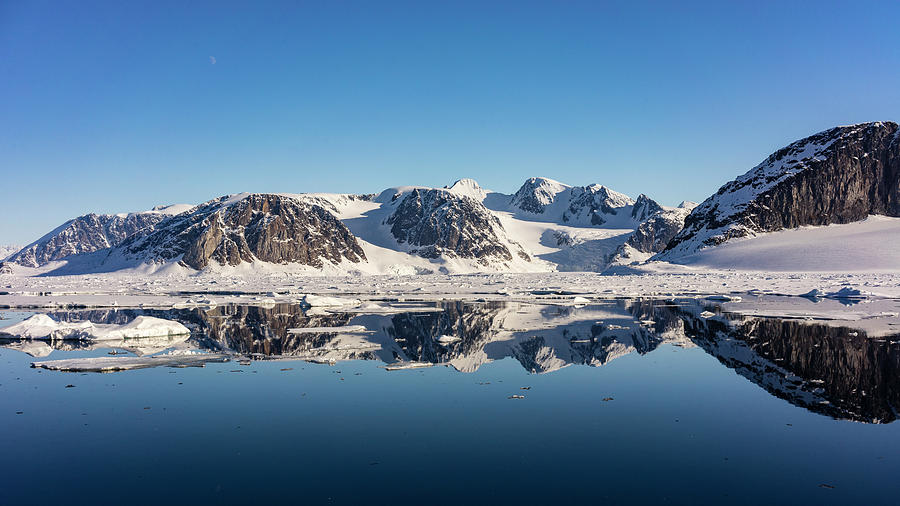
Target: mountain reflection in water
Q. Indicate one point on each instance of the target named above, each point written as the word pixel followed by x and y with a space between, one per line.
pixel 835 371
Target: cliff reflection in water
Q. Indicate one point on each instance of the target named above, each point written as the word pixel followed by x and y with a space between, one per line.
pixel 836 371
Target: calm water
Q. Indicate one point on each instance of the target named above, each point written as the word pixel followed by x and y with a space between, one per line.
pixel 626 402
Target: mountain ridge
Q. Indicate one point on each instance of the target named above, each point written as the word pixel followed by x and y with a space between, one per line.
pixel 839 175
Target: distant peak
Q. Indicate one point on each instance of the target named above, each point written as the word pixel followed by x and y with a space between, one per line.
pixel 464 183
pixel 545 182
pixel 536 193
pixel 467 187
pixel 172 209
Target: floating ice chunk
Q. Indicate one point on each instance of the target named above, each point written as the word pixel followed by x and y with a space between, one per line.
pixel 345 329
pixel 201 302
pixel 374 308
pixel 815 293
pixel 399 366
pixel 323 301
pixel 445 340
pixel 846 293
pixel 41 326
pixel 107 364
pixel 707 314
pixel 581 301
pixel 724 298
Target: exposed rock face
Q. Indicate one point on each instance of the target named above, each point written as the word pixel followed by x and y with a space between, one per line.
pixel 242 228
pixel 840 175
pixel 651 236
pixel 5 268
pixel 439 223
pixel 644 207
pixel 86 234
pixel 592 205
pixel 536 194
pixel 596 204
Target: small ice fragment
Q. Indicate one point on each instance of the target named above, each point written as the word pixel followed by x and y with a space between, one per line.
pixel 445 340
pixel 344 329
pixel 324 301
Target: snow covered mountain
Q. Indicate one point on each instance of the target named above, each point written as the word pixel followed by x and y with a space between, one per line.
pixel 89 233
pixel 7 250
pixel 545 226
pixel 841 175
pixel 440 223
pixel 838 176
pixel 543 199
pixel 652 235
pixel 241 228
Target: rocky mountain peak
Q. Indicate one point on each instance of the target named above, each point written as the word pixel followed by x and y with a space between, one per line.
pixel 241 228
pixel 468 188
pixel 85 234
pixel 537 193
pixel 596 204
pixel 437 222
pixel 644 207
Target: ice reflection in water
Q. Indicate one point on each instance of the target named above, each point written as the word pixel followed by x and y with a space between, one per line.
pixel 835 371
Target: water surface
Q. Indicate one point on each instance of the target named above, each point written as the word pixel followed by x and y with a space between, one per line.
pixel 631 401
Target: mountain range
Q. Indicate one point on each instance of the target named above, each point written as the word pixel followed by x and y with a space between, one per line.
pixel 842 175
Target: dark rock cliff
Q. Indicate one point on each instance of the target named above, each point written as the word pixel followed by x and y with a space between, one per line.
pixel 840 175
pixel 85 234
pixel 438 223
pixel 268 227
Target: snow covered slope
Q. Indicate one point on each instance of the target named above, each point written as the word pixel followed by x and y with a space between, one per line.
pixel 542 199
pixel 91 232
pixel 871 245
pixel 465 228
pixel 7 251
pixel 461 228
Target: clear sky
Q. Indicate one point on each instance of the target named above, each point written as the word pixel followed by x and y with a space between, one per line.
pixel 119 106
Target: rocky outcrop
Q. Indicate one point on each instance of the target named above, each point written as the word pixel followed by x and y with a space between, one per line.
pixel 651 236
pixel 596 204
pixel 436 222
pixel 86 234
pixel 247 227
pixel 536 194
pixel 644 207
pixel 593 205
pixel 840 175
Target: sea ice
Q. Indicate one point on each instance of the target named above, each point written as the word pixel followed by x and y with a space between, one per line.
pixel 41 326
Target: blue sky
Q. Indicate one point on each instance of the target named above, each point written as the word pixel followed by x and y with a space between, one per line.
pixel 118 106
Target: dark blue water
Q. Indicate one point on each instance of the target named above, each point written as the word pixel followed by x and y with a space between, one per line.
pixel 695 415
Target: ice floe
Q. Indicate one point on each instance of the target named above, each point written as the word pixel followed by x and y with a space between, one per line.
pixel 41 326
pixel 326 301
pixel 108 364
pixel 344 329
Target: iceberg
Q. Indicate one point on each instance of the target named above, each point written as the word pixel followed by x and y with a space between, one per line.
pixel 41 326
